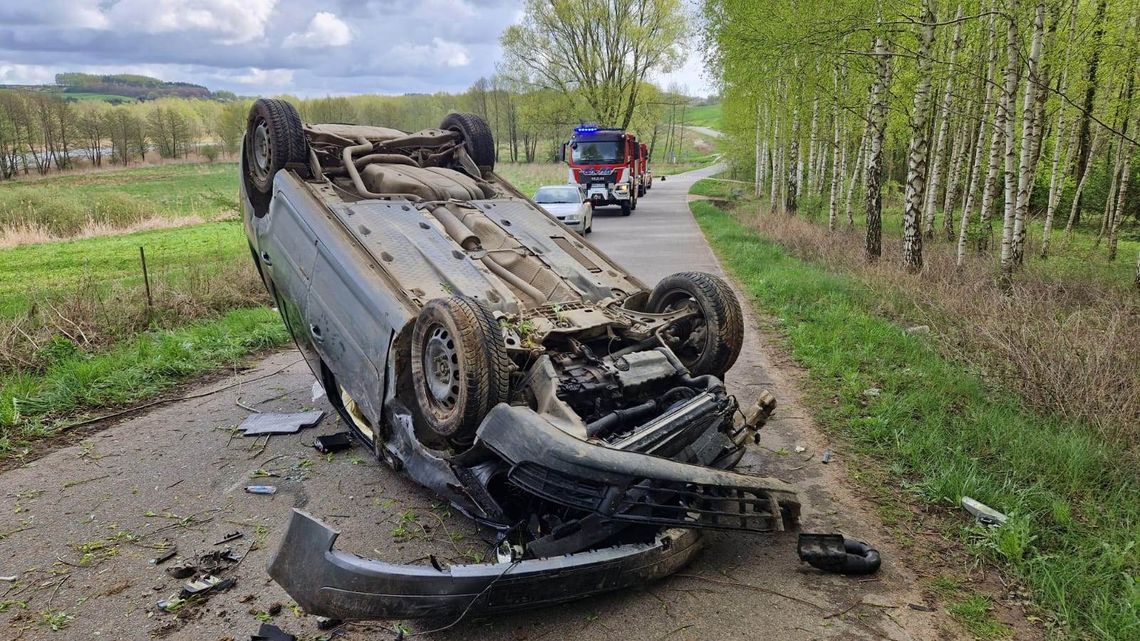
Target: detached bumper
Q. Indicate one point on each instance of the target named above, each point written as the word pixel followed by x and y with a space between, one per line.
pixel 340 585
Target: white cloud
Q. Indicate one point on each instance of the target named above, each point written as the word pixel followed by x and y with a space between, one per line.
pixel 263 77
pixel 17 74
pixel 440 53
pixel 325 30
pixel 231 21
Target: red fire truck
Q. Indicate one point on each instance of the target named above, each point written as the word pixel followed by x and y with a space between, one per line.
pixel 606 163
pixel 645 174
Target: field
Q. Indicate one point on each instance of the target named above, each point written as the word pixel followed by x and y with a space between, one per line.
pixel 704 116
pixel 937 414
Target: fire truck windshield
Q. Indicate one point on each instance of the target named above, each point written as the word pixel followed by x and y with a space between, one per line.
pixel 599 151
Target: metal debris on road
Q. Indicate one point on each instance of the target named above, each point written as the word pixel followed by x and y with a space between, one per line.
pixel 9 579
pixel 826 457
pixel 268 423
pixel 985 514
pixel 333 442
pixel 261 489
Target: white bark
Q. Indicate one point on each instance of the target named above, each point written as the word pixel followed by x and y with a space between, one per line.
pixel 775 160
pixel 1013 64
pixel 877 131
pixel 1118 213
pixel 1094 148
pixel 856 172
pixel 813 141
pixel 833 204
pixel 943 123
pixel 758 176
pixel 1029 134
pixel 979 149
pixel 997 143
pixel 915 195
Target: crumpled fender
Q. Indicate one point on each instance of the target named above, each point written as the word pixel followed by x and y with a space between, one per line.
pixel 330 583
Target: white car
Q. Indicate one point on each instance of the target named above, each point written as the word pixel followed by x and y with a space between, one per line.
pixel 567 204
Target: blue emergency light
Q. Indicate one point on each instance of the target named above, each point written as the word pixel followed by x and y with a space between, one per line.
pixel 586 129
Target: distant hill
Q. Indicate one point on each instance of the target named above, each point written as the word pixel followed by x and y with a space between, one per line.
pixel 118 88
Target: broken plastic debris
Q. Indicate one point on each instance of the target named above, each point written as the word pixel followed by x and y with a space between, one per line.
pixel 261 489
pixel 232 536
pixel 171 605
pixel 826 457
pixel 165 556
pixel 318 391
pixel 837 554
pixel 985 514
pixel 269 423
pixel 268 632
pixel 800 449
pixel 208 583
pixel 9 579
pixel 333 442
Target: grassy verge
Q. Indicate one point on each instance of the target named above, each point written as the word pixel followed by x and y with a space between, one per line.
pixel 940 433
pixel 41 404
pixel 704 116
pixel 65 206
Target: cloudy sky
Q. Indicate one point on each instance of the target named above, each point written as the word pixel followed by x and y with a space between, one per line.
pixel 269 46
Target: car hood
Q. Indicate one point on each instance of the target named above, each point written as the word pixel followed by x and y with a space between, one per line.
pixel 561 209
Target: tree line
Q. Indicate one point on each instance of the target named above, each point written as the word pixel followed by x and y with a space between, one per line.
pixel 985 114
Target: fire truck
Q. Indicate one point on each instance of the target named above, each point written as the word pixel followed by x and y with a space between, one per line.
pixel 645 173
pixel 606 163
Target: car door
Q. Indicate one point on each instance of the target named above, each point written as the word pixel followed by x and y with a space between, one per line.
pixel 351 325
pixel 287 251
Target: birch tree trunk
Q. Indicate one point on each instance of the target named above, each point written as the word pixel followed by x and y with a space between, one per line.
pixel 761 156
pixel 954 179
pixel 836 170
pixel 1009 90
pixel 984 118
pixel 997 142
pixel 915 196
pixel 809 179
pixel 795 166
pixel 1094 147
pixel 1060 148
pixel 775 161
pixel 877 130
pixel 1029 133
pixel 1118 214
pixel 856 172
pixel 943 124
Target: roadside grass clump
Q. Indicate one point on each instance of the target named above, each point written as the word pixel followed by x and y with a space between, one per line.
pixel 941 431
pixel 528 177
pixel 42 404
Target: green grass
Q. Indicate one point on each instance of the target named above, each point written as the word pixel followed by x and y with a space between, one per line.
pixel 527 178
pixel 106 260
pixel 63 205
pixel 704 116
pixel 938 433
pixel 41 404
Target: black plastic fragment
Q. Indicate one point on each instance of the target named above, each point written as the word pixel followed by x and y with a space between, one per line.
pixel 839 555
pixel 165 556
pixel 333 442
pixel 268 632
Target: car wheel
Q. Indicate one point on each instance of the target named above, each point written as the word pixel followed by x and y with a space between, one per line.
pixel 459 366
pixel 709 342
pixel 476 135
pixel 274 138
pixel 625 209
pixel 633 204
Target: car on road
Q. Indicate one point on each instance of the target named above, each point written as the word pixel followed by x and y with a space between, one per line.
pixel 568 205
pixel 499 360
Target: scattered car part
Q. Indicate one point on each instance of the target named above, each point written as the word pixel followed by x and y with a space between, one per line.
pixel 330 443
pixel 335 584
pixel 268 632
pixel 261 489
pixel 165 556
pixel 9 579
pixel 985 514
pixel 826 457
pixel 501 361
pixel 836 554
pixel 232 536
pixel 206 584
pixel 273 423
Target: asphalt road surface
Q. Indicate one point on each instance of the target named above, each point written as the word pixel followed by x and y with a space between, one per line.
pixel 81 525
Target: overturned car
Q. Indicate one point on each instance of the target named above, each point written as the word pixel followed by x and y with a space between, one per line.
pixel 500 360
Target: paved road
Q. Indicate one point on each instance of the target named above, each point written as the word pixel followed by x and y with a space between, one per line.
pixel 81 524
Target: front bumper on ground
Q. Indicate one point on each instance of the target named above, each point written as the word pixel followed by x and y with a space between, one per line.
pixel 330 583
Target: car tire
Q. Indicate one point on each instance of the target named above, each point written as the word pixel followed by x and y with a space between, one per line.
pixel 625 209
pixel 476 135
pixel 709 344
pixel 274 138
pixel 460 368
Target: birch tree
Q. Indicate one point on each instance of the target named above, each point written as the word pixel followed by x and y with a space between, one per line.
pixel 916 156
